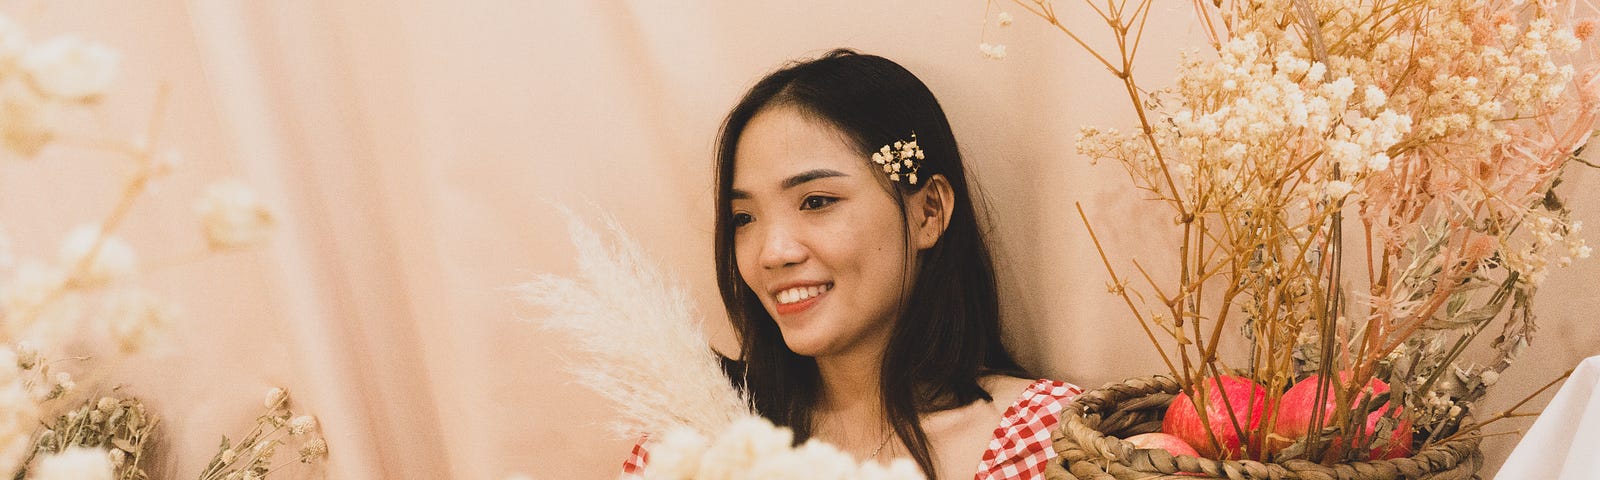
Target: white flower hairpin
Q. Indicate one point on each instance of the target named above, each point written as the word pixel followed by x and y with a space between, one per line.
pixel 900 160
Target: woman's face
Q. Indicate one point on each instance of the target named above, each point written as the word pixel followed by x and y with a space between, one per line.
pixel 817 235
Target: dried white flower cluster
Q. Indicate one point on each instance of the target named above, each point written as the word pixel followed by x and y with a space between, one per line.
pixel 1235 122
pixel 75 463
pixel 102 258
pixel 753 448
pixel 1456 100
pixel 996 51
pixel 250 458
pixel 992 52
pixel 232 216
pixel 1551 236
pixel 18 411
pixel 37 81
pixel 900 160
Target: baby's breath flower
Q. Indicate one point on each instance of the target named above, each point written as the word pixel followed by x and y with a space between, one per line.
pixel 1374 98
pixel 1337 189
pixel 30 286
pixel 1341 89
pixel 1005 19
pixel 994 52
pixel 113 261
pixel 64 382
pixel 1379 162
pixel 135 317
pixel 70 68
pixel 232 216
pixel 1316 73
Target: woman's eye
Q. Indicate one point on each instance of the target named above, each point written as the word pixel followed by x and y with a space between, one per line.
pixel 816 201
pixel 741 218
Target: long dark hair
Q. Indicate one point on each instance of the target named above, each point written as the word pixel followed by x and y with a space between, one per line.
pixel 948 333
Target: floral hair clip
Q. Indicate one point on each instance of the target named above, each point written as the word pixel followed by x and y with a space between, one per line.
pixel 901 159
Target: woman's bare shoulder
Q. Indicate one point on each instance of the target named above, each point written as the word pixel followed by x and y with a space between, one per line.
pixel 1005 389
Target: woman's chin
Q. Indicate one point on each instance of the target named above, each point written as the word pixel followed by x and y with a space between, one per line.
pixel 806 347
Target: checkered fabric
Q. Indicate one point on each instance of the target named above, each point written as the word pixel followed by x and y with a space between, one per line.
pixel 1019 450
pixel 633 469
pixel 1021 446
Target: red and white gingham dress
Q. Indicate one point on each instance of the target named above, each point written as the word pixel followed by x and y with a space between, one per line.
pixel 1019 450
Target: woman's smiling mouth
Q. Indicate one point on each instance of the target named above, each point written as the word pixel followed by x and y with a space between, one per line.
pixel 797 299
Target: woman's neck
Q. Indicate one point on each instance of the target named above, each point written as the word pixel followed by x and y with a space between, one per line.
pixel 850 383
pixel 850 410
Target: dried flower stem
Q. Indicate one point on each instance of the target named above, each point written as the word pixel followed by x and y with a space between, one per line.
pixel 130 194
pixel 1510 412
pixel 1122 292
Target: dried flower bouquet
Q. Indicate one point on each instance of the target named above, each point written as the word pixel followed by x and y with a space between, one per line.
pixel 1361 189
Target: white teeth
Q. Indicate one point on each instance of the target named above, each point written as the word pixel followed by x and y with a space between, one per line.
pixel 801 293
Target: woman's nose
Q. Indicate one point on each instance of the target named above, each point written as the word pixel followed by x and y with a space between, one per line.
pixel 780 248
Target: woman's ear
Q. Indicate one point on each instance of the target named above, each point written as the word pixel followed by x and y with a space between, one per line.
pixel 930 211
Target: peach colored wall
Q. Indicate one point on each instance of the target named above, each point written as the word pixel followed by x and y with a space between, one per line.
pixel 416 150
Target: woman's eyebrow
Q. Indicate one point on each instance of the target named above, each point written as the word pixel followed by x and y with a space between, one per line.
pixel 791 182
pixel 810 175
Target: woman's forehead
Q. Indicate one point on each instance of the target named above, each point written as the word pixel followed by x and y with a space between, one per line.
pixel 781 143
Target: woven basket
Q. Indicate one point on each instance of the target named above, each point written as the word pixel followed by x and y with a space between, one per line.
pixel 1089 442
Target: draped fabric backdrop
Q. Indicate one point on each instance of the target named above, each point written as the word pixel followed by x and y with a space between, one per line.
pixel 418 151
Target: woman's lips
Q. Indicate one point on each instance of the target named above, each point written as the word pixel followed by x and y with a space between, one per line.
pixel 800 306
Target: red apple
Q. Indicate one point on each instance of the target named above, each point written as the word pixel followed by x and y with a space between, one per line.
pixel 1296 405
pixel 1249 403
pixel 1171 444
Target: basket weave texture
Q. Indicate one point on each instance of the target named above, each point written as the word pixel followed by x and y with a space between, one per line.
pixel 1090 446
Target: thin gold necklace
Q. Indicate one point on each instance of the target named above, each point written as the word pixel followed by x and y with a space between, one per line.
pixel 882 444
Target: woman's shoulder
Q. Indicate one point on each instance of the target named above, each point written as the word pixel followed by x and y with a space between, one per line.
pixel 1010 392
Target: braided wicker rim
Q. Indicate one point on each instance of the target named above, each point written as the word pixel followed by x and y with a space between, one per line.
pixel 1090 454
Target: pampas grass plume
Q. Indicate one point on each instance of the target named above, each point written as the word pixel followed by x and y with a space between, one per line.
pixel 637 338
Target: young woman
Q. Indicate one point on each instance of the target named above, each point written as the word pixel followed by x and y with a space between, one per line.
pixel 855 271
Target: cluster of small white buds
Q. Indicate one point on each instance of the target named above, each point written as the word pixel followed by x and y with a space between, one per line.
pixel 302 425
pixel 900 160
pixel 275 397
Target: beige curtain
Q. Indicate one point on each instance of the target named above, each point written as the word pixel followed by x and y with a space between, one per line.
pixel 417 152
